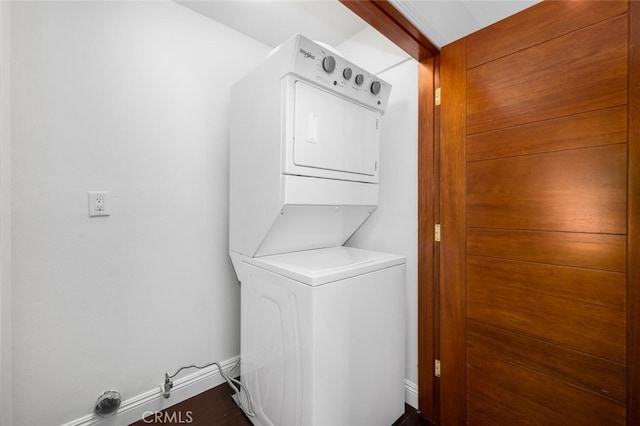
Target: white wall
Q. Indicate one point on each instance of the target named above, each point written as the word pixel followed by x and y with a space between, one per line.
pixel 131 98
pixel 393 227
pixel 6 399
pixel 372 51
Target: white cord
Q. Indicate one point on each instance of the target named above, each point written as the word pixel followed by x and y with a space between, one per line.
pixel 248 410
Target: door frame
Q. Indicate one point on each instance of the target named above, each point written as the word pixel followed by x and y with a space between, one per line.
pixel 633 216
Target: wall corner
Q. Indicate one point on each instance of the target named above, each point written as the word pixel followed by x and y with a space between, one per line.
pixel 6 394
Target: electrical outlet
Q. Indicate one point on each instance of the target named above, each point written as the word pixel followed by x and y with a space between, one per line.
pixel 98 205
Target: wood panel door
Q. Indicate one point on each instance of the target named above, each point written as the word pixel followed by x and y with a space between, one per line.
pixel 537 168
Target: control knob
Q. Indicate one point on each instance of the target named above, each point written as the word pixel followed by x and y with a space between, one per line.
pixel 359 79
pixel 347 73
pixel 329 64
pixel 375 87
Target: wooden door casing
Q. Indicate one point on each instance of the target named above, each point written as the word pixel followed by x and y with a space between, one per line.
pixel 633 206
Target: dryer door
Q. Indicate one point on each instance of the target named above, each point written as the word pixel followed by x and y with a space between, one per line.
pixel 334 134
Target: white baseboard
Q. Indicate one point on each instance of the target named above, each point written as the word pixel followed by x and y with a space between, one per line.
pixel 136 408
pixel 411 393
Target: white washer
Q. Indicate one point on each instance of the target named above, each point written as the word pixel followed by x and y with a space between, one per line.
pixel 323 337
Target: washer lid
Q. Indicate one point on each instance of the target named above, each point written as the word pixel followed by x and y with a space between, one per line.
pixel 322 266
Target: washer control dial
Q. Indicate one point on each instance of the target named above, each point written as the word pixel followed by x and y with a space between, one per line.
pixel 347 73
pixel 375 87
pixel 359 79
pixel 329 64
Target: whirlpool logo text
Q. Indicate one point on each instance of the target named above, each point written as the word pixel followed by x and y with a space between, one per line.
pixel 307 54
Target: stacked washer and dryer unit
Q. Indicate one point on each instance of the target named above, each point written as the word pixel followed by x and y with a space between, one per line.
pixel 322 325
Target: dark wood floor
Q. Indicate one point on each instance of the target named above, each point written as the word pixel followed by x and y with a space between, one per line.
pixel 216 408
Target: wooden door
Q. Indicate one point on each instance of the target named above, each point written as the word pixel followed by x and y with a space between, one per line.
pixel 539 164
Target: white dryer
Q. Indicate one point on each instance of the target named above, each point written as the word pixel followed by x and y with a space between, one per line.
pixel 304 151
pixel 322 325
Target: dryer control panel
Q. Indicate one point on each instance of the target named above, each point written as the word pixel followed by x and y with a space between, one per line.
pixel 321 66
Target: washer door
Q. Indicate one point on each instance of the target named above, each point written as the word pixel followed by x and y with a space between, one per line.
pixel 332 133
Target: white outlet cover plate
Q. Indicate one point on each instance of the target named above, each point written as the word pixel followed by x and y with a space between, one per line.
pixel 98 203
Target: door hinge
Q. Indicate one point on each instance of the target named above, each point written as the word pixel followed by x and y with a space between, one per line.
pixel 437 368
pixel 438 97
pixel 437 232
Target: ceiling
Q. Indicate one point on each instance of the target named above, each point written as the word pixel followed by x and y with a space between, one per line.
pixel 446 21
pixel 274 21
